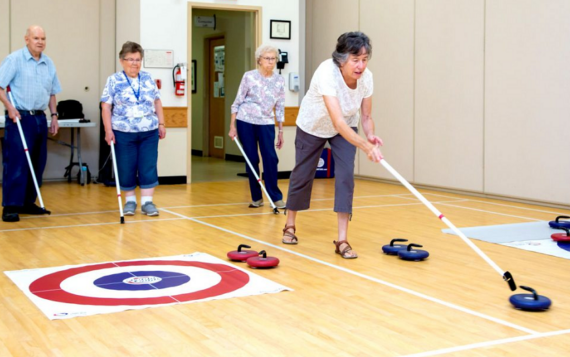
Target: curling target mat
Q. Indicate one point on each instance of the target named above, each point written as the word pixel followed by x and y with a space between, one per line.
pixel 532 236
pixel 505 233
pixel 89 289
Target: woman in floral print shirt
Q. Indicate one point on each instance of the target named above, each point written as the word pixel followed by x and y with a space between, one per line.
pixel 134 121
pixel 261 91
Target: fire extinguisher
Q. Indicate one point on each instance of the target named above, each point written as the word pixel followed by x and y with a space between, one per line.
pixel 179 79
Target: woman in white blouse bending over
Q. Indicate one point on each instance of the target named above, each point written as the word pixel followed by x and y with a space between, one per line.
pixel 339 96
pixel 259 92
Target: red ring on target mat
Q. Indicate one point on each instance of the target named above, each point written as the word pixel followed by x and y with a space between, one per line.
pixel 560 237
pixel 48 287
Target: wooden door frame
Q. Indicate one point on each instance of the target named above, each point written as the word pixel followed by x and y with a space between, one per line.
pixel 257 13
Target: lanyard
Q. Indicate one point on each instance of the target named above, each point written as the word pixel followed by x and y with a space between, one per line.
pixel 138 93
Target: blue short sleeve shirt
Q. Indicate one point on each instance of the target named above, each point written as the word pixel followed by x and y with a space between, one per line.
pixel 32 82
pixel 132 114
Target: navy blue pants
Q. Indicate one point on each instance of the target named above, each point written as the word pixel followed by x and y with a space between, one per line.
pixel 250 135
pixel 17 183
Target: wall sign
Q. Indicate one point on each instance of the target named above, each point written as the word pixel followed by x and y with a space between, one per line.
pixel 158 58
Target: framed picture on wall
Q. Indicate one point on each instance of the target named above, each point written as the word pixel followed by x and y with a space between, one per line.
pixel 193 78
pixel 280 29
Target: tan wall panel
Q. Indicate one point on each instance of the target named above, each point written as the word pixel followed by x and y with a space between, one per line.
pixel 527 99
pixel 4 30
pixel 107 47
pixel 449 93
pixel 74 48
pixel 390 26
pixel 329 19
pixel 128 25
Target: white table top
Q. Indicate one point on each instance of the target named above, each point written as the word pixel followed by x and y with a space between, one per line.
pixel 64 123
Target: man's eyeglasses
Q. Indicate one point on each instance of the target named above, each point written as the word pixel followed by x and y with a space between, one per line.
pixel 269 59
pixel 133 60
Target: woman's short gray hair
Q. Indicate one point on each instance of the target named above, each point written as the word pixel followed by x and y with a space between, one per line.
pixel 263 49
pixel 351 43
pixel 131 47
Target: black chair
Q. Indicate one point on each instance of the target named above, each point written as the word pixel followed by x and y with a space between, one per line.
pixel 105 160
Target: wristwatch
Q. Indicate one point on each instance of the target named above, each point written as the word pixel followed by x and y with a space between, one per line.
pixel 55 114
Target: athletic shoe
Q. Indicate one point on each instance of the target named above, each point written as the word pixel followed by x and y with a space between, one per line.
pixel 130 208
pixel 280 204
pixel 149 209
pixel 256 204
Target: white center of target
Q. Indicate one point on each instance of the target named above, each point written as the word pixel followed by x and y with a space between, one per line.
pixel 83 284
pixel 141 280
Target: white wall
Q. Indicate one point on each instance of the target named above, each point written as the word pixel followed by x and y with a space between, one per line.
pixel 163 25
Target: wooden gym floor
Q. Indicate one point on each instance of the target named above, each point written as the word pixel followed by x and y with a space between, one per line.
pixel 452 304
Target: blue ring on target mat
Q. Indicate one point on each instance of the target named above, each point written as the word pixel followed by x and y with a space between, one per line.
pixel 142 280
pixel 564 245
pixel 49 286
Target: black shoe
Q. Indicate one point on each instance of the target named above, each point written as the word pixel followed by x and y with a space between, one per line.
pixel 32 208
pixel 9 214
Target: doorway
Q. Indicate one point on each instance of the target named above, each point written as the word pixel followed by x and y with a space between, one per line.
pixel 223 54
pixel 216 97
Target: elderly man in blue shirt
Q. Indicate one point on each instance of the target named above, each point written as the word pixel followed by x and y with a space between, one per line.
pixel 33 81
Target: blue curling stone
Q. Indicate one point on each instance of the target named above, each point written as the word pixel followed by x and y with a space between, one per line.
pixel 393 249
pixel 557 224
pixel 413 254
pixel 560 224
pixel 529 302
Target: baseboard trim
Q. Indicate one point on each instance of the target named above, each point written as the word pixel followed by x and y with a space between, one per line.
pixel 172 180
pixel 469 193
pixel 236 158
pixel 281 175
pixel 197 153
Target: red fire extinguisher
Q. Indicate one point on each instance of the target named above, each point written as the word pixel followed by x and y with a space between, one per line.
pixel 179 78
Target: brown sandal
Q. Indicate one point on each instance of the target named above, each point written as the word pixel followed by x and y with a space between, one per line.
pixel 345 251
pixel 292 236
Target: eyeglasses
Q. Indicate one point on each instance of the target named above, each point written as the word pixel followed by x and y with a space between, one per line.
pixel 269 59
pixel 132 60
